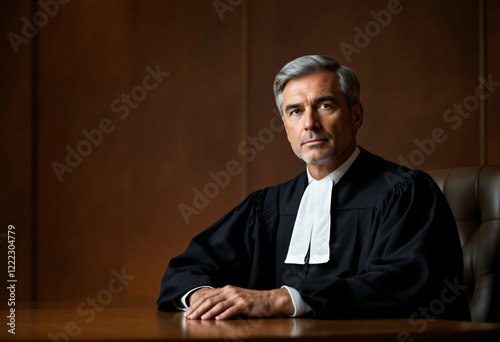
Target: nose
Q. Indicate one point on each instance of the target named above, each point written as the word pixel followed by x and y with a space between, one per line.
pixel 311 119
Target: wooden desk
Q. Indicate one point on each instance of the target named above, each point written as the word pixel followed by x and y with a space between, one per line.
pixel 146 324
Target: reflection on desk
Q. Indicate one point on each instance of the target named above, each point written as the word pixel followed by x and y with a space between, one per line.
pixel 240 328
pixel 140 324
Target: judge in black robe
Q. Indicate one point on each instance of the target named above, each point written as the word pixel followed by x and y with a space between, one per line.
pixel 394 248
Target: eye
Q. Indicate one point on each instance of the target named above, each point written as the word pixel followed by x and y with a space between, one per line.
pixel 325 106
pixel 294 112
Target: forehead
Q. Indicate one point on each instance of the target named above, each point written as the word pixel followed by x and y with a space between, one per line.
pixel 319 83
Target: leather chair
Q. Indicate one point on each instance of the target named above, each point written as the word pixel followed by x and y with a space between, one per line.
pixel 474 197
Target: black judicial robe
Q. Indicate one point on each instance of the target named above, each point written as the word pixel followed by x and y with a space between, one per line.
pixel 394 248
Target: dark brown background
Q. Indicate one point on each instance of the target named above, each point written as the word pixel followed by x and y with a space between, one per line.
pixel 120 206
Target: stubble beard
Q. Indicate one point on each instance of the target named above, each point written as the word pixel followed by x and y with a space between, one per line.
pixel 325 156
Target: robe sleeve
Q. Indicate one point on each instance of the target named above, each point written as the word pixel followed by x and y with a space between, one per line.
pixel 414 255
pixel 218 256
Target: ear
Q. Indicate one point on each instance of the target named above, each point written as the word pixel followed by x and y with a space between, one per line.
pixel 357 116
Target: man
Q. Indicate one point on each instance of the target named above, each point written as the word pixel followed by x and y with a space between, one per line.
pixel 353 236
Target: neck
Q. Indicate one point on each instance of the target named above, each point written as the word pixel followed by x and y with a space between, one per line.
pixel 321 170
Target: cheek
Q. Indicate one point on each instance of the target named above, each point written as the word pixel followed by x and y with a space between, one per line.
pixel 341 131
pixel 290 133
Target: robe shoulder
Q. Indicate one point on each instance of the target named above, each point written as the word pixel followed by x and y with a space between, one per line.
pixel 372 178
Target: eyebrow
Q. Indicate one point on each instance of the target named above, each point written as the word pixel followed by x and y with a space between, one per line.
pixel 326 98
pixel 291 106
pixel 316 101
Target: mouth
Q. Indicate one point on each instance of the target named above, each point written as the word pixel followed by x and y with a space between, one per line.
pixel 313 141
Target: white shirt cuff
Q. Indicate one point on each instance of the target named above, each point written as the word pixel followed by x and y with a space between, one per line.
pixel 181 304
pixel 299 305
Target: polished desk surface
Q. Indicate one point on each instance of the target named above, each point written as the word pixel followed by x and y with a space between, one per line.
pixel 147 324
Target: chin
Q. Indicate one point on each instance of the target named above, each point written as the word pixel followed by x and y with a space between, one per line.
pixel 317 159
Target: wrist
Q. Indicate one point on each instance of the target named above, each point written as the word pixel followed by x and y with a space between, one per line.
pixel 283 302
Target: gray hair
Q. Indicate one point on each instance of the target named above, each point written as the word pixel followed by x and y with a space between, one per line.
pixel 347 81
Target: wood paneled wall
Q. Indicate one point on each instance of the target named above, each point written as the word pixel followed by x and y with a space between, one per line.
pixel 119 116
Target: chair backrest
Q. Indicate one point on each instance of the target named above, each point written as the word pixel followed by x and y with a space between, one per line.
pixel 474 197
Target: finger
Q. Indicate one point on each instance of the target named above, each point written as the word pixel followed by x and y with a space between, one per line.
pixel 199 300
pixel 203 306
pixel 192 308
pixel 229 313
pixel 217 310
pixel 197 310
pixel 211 307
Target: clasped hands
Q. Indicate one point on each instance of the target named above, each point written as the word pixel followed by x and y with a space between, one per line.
pixel 229 301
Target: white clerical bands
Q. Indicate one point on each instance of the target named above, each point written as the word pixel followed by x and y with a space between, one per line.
pixel 310 242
